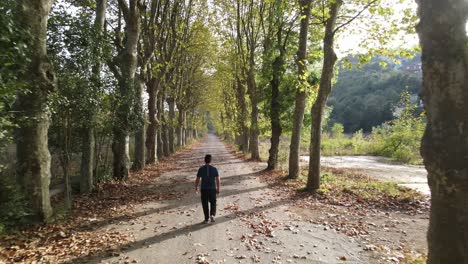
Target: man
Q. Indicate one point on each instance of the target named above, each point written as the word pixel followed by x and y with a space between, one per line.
pixel 209 175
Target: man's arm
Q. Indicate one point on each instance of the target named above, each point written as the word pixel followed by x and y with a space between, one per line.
pixel 197 181
pixel 217 184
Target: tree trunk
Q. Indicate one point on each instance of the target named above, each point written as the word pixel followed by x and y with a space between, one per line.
pixel 160 112
pixel 33 156
pixel 252 88
pixel 180 127
pixel 120 151
pixel 151 134
pixel 301 93
pixel 276 128
pixel 444 145
pixel 87 160
pixel 329 60
pixel 171 124
pixel 184 129
pixel 128 65
pixel 244 130
pixel 165 133
pixel 87 147
pixel 139 156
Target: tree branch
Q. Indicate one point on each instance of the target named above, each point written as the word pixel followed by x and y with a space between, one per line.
pixel 124 7
pixel 354 17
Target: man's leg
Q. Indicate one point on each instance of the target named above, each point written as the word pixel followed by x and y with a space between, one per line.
pixel 204 200
pixel 213 203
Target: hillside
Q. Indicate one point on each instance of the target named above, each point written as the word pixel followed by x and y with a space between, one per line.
pixel 364 97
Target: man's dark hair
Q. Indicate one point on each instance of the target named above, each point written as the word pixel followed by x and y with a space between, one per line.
pixel 208 158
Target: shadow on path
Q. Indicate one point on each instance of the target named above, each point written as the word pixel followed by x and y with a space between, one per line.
pixel 175 233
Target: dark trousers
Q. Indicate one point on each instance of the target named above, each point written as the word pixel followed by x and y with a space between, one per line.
pixel 208 196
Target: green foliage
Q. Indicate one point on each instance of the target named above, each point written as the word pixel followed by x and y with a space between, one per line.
pixel 401 139
pixel 336 143
pixel 364 97
pixel 398 139
pixel 12 61
pixel 12 203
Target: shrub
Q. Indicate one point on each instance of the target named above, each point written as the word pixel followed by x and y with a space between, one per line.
pixel 13 205
pixel 400 139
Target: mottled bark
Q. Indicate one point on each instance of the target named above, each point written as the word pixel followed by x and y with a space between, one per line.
pixel 87 160
pixel 160 112
pixel 88 140
pixel 151 132
pixel 254 130
pixel 33 156
pixel 121 158
pixel 127 62
pixel 164 132
pixel 139 156
pixel 329 60
pixel 244 129
pixel 445 142
pixel 180 126
pixel 171 125
pixel 301 93
pixel 276 128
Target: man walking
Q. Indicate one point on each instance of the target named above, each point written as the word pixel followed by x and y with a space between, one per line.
pixel 209 175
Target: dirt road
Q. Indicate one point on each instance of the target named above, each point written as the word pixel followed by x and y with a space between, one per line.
pixel 252 224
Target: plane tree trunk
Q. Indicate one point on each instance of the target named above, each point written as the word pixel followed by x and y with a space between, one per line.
pixel 301 92
pixel 444 145
pixel 33 114
pixel 329 60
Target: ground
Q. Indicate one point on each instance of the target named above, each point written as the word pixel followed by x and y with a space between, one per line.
pixel 255 222
pixel 381 168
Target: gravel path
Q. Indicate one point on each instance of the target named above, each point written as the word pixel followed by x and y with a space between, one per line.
pixel 252 224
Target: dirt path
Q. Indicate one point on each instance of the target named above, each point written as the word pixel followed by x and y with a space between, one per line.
pixel 380 168
pixel 252 225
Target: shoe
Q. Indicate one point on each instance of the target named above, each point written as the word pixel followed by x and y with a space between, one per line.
pixel 212 219
pixel 205 222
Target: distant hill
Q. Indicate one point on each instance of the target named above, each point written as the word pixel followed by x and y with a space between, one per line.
pixel 366 97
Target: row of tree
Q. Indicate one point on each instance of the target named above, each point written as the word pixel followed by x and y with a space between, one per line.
pixel 109 69
pixel 279 59
pixel 259 40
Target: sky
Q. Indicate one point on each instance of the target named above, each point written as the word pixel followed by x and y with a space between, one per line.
pixel 349 41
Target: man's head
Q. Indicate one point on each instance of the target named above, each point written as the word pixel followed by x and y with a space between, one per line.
pixel 208 159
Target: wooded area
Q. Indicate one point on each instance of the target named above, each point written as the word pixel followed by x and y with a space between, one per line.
pixel 94 91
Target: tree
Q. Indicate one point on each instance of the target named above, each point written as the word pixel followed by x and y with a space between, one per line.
pixel 329 60
pixel 276 41
pixel 124 68
pixel 87 160
pixel 444 147
pixel 33 157
pixel 305 7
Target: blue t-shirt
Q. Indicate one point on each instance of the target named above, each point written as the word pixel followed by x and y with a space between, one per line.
pixel 208 174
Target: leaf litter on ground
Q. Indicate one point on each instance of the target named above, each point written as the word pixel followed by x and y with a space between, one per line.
pixel 83 232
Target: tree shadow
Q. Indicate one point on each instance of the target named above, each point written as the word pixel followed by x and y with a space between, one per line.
pixel 185 188
pixel 129 247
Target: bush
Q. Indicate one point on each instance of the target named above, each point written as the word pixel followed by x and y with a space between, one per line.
pixel 401 139
pixel 13 205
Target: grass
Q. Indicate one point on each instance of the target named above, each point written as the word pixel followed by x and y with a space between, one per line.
pixel 349 183
pixel 347 187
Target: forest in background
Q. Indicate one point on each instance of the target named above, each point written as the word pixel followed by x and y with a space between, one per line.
pixel 366 96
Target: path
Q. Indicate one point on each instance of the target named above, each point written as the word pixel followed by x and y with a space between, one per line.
pixel 380 168
pixel 252 225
